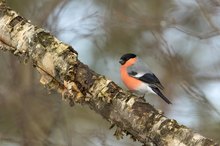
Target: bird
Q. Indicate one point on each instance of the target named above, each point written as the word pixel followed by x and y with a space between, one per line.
pixel 137 76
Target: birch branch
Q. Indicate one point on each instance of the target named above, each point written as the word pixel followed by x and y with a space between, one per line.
pixel 61 70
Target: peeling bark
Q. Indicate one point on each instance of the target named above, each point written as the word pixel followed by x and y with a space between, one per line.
pixel 61 70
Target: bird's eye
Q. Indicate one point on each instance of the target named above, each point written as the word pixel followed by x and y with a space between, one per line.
pixel 121 61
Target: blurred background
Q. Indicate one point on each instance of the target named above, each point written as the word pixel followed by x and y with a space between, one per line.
pixel 178 39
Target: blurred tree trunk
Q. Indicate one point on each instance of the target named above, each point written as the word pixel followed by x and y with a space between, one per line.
pixel 61 70
pixel 33 131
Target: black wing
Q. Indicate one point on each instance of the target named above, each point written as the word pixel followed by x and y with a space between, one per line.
pixel 158 92
pixel 140 71
pixel 151 79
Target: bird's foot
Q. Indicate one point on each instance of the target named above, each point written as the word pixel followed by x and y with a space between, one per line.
pixel 142 96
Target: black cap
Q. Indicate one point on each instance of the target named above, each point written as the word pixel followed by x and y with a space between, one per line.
pixel 126 57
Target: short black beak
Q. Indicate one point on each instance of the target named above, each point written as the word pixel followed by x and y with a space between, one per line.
pixel 122 62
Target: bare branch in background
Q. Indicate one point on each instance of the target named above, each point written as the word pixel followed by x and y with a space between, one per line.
pixel 54 18
pixel 206 15
pixel 202 35
pixel 165 47
pixel 198 95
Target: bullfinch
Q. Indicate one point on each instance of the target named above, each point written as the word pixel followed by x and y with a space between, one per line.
pixel 137 77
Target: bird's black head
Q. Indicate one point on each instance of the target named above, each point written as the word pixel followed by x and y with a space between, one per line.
pixel 126 57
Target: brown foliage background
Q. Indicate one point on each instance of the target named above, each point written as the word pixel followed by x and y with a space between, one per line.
pixel 179 40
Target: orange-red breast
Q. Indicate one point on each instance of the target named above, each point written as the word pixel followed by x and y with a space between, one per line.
pixel 137 77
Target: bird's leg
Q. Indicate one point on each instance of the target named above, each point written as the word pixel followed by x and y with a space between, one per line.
pixel 134 92
pixel 138 94
pixel 142 95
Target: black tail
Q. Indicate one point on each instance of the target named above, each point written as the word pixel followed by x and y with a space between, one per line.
pixel 158 92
